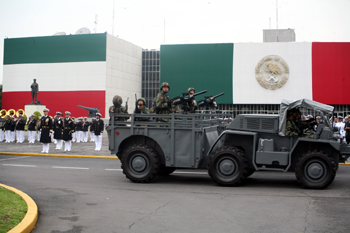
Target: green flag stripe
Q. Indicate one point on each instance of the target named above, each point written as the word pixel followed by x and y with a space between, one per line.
pixel 52 49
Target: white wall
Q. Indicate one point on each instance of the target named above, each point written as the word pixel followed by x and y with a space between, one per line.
pixel 123 72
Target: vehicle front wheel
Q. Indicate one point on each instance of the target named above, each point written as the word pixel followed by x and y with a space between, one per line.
pixel 140 163
pixel 227 166
pixel 315 170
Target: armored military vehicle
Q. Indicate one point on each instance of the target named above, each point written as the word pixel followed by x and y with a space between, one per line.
pixel 250 143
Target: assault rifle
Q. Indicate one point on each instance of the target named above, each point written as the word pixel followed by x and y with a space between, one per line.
pixel 208 101
pixel 186 99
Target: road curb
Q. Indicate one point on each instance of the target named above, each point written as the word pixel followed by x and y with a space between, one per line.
pixel 28 222
pixel 57 155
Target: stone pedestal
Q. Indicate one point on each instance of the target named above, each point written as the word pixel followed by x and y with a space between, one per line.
pixel 29 109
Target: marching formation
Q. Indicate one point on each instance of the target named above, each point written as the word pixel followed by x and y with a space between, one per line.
pixel 56 129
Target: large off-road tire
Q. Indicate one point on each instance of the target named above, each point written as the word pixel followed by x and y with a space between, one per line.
pixel 140 163
pixel 315 170
pixel 165 171
pixel 227 166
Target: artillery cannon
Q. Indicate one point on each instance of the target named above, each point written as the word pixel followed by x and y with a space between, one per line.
pixel 92 111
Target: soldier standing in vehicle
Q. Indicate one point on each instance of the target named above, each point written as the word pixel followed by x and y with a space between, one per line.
pixel 141 109
pixel 163 103
pixel 191 106
pixel 117 108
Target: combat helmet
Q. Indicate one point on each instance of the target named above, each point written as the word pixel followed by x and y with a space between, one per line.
pixel 164 84
pixel 190 89
pixel 117 101
pixel 143 99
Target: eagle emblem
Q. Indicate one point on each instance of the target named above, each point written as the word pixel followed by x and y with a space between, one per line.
pixel 272 72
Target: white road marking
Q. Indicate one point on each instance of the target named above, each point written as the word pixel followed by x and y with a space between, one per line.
pixel 19 165
pixel 15 158
pixel 81 168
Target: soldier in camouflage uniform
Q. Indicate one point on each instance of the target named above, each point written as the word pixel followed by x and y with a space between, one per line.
pixel 294 125
pixel 141 109
pixel 163 103
pixel 118 108
pixel 192 106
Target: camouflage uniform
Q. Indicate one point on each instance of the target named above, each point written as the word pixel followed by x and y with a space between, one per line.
pixel 191 107
pixel 162 103
pixel 145 110
pixel 118 109
pixel 154 108
pixel 294 128
pixel 291 128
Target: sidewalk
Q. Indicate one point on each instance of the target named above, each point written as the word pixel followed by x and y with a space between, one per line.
pixel 82 148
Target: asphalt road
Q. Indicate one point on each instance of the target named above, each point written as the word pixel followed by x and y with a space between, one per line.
pixel 93 195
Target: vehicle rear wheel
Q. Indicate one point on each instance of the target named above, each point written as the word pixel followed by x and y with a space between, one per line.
pixel 227 166
pixel 315 170
pixel 140 163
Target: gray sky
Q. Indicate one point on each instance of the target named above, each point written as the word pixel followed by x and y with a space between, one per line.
pixel 149 23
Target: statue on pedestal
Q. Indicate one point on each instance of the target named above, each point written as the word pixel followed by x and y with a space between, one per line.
pixel 35 91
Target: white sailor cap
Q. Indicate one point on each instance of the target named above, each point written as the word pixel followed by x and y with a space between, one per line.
pixel 58 113
pixel 46 110
pixel 67 113
pixel 12 117
pixel 85 117
pixel 318 117
pixel 32 115
pixel 340 117
pixel 310 116
pixel 20 115
pixel 98 114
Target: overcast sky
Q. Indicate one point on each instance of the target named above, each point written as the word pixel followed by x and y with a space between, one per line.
pixel 149 23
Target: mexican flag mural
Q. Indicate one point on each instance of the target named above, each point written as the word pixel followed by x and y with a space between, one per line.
pixel 71 70
pixel 259 73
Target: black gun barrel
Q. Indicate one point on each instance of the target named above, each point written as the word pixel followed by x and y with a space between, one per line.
pixel 86 108
pixel 218 95
pixel 195 94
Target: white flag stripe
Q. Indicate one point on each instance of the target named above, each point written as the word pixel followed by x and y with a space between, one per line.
pixel 246 89
pixel 72 76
